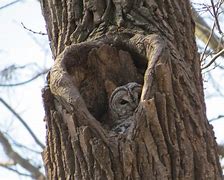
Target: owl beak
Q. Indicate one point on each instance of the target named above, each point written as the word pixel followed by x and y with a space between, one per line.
pixel 133 103
pixel 126 99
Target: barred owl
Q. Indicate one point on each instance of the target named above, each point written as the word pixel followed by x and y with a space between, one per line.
pixel 123 102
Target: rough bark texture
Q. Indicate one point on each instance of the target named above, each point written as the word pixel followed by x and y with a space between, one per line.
pixel 98 43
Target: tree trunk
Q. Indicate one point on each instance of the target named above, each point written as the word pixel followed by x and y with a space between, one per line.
pixel 101 44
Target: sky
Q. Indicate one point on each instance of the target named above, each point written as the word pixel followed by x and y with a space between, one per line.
pixel 21 47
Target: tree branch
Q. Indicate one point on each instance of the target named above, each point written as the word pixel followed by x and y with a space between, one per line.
pixel 203 31
pixel 215 12
pixel 19 145
pixel 217 118
pixel 14 170
pixel 34 32
pixel 207 43
pixel 213 59
pixel 25 82
pixel 9 4
pixel 23 122
pixel 10 152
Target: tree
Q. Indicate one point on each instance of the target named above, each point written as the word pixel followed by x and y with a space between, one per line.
pixel 101 44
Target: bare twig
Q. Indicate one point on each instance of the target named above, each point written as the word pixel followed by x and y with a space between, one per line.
pixel 217 118
pixel 7 72
pixel 12 154
pixel 206 46
pixel 15 143
pixel 23 122
pixel 215 12
pixel 14 170
pixel 203 31
pixel 34 32
pixel 213 59
pixel 25 82
pixel 9 4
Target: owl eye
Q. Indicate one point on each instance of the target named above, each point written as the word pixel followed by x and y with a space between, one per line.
pixel 122 102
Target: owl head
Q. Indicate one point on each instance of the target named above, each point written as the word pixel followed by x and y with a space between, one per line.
pixel 124 100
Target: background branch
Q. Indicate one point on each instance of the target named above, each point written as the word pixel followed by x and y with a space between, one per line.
pixel 40 33
pixel 9 4
pixel 23 122
pixel 12 154
pixel 27 81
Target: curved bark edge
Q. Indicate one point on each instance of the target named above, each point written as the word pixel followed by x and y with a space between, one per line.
pixel 64 89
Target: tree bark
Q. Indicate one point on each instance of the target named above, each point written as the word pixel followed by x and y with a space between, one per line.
pixel 98 44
